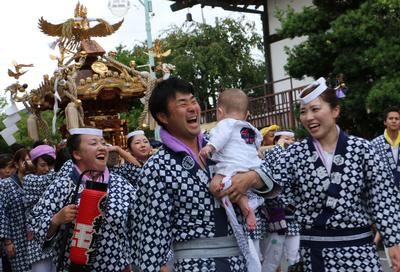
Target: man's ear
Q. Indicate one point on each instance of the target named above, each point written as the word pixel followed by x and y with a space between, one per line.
pixel 162 116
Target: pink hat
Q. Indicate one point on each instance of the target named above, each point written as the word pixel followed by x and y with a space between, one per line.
pixel 42 150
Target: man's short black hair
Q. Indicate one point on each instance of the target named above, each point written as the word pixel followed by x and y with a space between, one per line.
pixel 164 91
pixel 5 159
pixel 390 109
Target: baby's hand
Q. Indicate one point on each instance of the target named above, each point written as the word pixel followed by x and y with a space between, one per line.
pixel 206 151
pixel 216 184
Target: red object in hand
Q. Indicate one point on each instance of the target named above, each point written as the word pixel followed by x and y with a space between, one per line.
pixel 88 223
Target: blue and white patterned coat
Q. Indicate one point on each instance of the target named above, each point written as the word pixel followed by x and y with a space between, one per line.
pixel 34 187
pixel 384 150
pixel 114 251
pixel 174 205
pixel 261 227
pixel 129 171
pixel 272 157
pixel 12 221
pixel 365 192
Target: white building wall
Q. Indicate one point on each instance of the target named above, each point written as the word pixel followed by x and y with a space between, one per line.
pixel 278 55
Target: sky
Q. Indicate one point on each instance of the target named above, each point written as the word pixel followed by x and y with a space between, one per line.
pixel 22 41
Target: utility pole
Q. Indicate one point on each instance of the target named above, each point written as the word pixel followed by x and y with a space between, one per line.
pixel 120 8
pixel 147 10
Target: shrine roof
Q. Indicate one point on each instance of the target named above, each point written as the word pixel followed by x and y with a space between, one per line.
pixel 249 6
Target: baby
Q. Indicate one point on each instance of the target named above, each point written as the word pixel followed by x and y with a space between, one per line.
pixel 233 145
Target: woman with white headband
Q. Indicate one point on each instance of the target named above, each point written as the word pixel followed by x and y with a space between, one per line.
pixel 139 151
pixel 339 187
pixel 283 239
pixel 112 250
pixel 43 159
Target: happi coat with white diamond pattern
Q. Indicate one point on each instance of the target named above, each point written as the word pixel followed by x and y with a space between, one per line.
pixel 385 151
pixel 366 196
pixel 12 221
pixel 174 205
pixel 114 248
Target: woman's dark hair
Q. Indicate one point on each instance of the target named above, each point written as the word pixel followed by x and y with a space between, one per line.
pixel 163 92
pixel 47 158
pixel 130 140
pixel 276 139
pixel 329 96
pixel 61 157
pixel 15 147
pixel 20 155
pixel 73 143
pixel 5 159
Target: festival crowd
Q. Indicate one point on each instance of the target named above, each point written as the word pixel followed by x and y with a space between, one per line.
pixel 232 199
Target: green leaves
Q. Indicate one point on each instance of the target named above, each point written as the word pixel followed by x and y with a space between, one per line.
pixel 384 93
pixel 358 39
pixel 211 57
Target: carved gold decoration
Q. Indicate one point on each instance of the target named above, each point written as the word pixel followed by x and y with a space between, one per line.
pixel 99 67
pixel 81 89
pixel 77 29
pixel 18 71
pixel 156 50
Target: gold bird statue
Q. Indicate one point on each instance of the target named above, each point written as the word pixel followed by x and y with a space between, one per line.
pixel 156 51
pixel 18 71
pixel 77 29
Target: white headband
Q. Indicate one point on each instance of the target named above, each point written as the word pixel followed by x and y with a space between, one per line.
pixel 321 83
pixel 136 132
pixel 284 133
pixel 86 131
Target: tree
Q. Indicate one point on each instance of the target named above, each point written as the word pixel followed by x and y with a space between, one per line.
pixel 358 39
pixel 3 145
pixel 210 57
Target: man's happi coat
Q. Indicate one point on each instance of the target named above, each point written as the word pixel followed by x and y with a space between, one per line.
pixel 384 150
pixel 174 205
